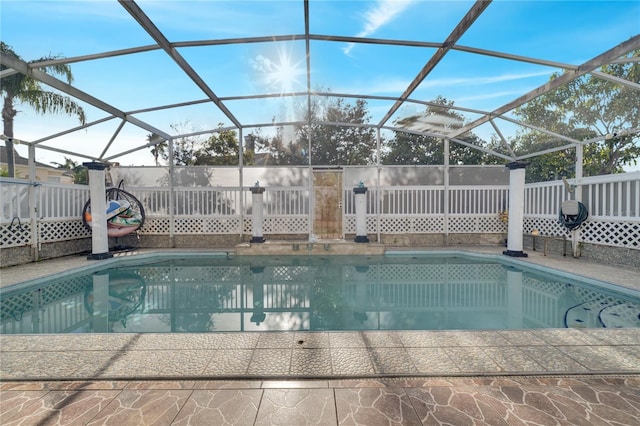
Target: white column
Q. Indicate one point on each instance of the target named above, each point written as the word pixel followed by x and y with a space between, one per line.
pixel 516 209
pixel 257 216
pixel 361 213
pixel 99 238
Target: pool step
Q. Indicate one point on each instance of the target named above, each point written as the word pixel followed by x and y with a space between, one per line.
pixel 301 248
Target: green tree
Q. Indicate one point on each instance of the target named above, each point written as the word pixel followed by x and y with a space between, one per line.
pixel 158 148
pixel 184 148
pixel 331 144
pixel 410 149
pixel 280 149
pixel 22 88
pixel 80 173
pixel 336 144
pixel 585 108
pixel 222 149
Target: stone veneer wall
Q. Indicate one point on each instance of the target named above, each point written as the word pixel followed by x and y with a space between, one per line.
pixel 598 253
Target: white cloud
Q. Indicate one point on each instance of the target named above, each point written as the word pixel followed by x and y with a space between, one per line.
pixel 383 12
pixel 391 85
pixel 485 96
pixel 468 81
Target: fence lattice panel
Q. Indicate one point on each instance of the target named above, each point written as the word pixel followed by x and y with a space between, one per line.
pixel 612 233
pixel 621 234
pixel 15 235
pixel 286 225
pixel 62 230
pixel 545 226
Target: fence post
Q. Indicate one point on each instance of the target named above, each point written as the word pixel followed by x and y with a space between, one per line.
pixel 516 208
pixel 575 234
pixel 33 208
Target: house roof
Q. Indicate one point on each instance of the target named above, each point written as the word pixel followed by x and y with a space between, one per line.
pixel 19 160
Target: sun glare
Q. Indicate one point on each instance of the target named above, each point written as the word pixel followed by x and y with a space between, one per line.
pixel 284 74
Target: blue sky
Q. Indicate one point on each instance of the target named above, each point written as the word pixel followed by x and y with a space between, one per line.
pixel 563 31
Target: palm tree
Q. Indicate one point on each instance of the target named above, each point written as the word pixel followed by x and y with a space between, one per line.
pixel 158 149
pixel 80 174
pixel 23 88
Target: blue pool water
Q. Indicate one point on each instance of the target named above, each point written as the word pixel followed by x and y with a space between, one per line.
pixel 246 293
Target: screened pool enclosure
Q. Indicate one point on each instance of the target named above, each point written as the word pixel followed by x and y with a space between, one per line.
pixel 190 104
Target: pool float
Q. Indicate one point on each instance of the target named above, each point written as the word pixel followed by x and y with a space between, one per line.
pixel 116 207
pixel 123 224
pixel 126 219
pixel 121 220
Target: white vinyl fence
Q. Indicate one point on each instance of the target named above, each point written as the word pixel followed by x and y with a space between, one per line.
pixel 39 213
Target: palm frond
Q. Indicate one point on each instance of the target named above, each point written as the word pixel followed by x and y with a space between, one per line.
pixel 46 102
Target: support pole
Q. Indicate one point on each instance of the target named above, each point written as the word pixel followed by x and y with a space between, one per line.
pixel 361 213
pixel 577 190
pixel 257 215
pixel 99 238
pixel 447 191
pixel 33 208
pixel 516 209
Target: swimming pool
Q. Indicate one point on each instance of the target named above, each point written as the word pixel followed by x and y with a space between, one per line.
pixel 217 293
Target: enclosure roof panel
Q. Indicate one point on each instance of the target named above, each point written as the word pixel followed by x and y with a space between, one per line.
pixel 170 68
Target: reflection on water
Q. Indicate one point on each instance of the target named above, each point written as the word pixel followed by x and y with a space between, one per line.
pixel 312 293
pixel 125 295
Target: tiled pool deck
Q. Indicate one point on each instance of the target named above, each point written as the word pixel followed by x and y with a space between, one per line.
pixel 556 376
